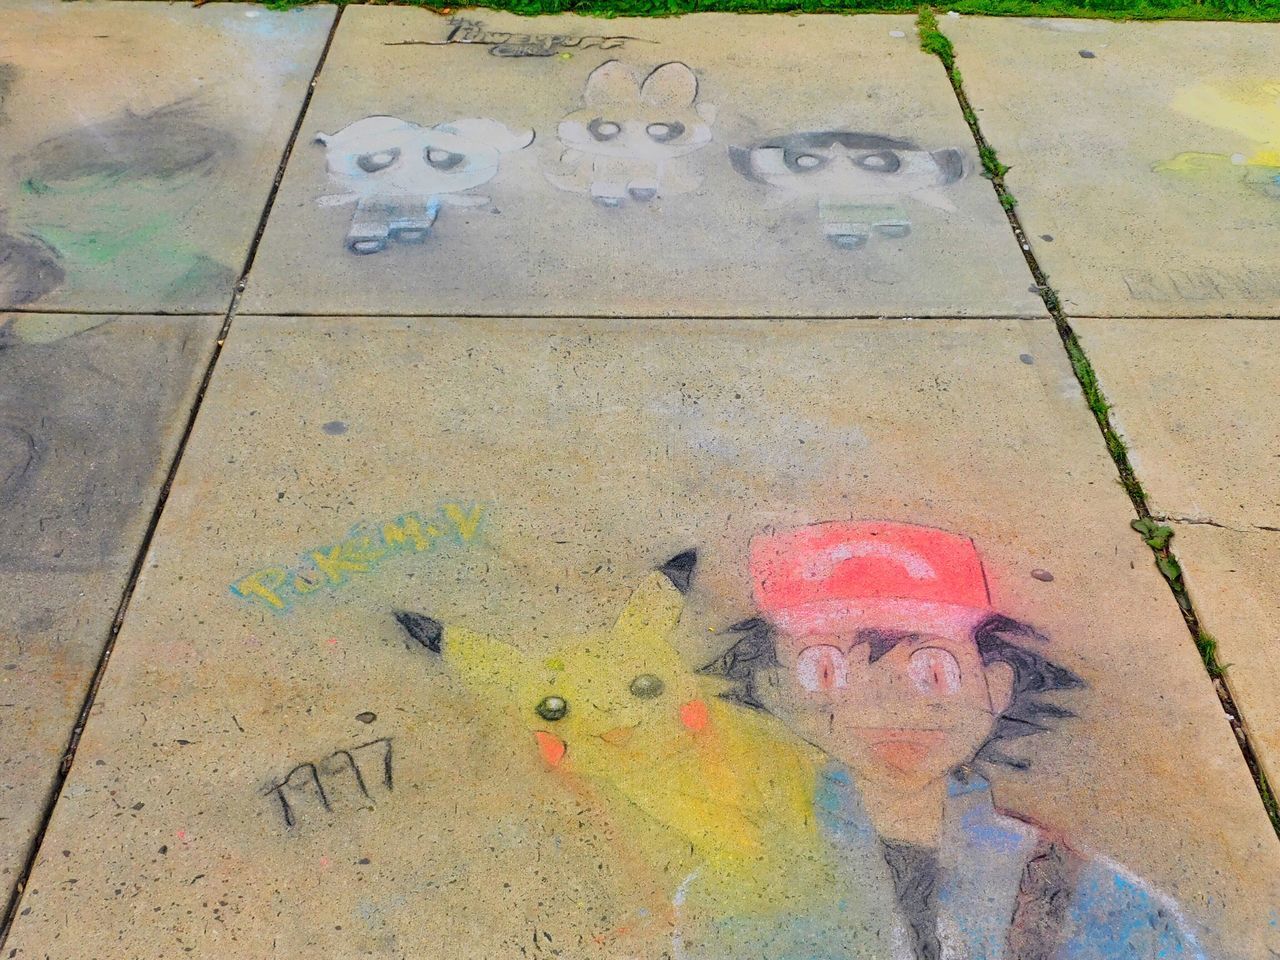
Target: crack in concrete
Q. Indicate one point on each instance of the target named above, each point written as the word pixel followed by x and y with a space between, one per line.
pixel 934 41
pixel 10 915
pixel 1207 522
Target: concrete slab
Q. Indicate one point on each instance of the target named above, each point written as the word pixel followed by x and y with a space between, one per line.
pixel 1233 577
pixel 487 164
pixel 139 145
pixel 1144 157
pixel 91 410
pixel 1196 404
pixel 346 715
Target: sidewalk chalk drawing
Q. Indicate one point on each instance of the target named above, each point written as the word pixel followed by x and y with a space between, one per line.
pixel 29 268
pixel 350 777
pixel 84 400
pixel 501 43
pixel 399 174
pixel 859 181
pixel 1202 283
pixel 113 199
pixel 1248 110
pixel 619 709
pixel 361 552
pixel 627 141
pixel 828 769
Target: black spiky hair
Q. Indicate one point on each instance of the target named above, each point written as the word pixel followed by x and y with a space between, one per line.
pixel 999 639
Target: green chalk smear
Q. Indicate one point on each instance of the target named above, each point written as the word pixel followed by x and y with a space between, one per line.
pixel 109 230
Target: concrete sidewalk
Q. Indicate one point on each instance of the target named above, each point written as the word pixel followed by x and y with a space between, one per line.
pixel 615 489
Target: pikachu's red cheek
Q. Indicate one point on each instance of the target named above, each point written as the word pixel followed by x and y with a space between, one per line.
pixel 695 715
pixel 552 748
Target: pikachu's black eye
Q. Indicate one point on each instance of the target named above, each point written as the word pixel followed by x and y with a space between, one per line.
pixel 552 708
pixel 646 686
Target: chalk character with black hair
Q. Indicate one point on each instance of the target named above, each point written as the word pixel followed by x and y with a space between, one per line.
pixel 877 643
pixel 117 199
pixel 858 180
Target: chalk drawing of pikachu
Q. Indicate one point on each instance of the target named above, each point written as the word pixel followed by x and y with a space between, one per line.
pixel 627 140
pixel 621 709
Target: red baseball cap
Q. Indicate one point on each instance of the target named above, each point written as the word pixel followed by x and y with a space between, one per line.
pixel 809 578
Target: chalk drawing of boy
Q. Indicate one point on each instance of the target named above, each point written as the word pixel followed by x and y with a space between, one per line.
pixel 877 643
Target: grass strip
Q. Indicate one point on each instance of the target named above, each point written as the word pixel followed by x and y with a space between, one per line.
pixel 1241 10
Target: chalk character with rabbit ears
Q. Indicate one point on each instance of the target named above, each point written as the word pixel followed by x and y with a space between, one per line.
pixel 627 142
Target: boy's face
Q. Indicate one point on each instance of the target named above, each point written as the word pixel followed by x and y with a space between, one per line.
pixel 896 691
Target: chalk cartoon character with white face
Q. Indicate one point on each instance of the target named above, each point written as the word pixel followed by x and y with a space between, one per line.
pixel 399 174
pixel 626 142
pixel 859 180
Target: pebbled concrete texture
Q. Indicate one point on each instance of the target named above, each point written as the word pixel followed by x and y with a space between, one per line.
pixel 1144 157
pixel 139 146
pixel 548 468
pixel 740 166
pixel 1194 402
pixel 1232 577
pixel 91 411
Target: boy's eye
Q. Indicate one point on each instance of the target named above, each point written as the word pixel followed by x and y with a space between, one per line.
pixel 934 671
pixel 603 129
pixel 822 668
pixel 646 686
pixel 665 132
pixel 378 160
pixel 443 159
pixel 552 708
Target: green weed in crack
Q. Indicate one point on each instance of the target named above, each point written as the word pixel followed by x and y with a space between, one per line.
pixel 934 41
pixel 991 165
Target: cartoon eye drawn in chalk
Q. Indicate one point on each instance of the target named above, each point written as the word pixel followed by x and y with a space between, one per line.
pixel 860 181
pixel 627 140
pixel 399 174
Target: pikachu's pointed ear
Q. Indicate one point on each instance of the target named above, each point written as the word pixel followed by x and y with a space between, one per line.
pixel 425 630
pixel 654 607
pixel 672 86
pixel 611 82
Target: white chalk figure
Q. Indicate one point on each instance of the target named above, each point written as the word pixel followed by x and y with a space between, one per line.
pixel 859 180
pixel 627 140
pixel 399 174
